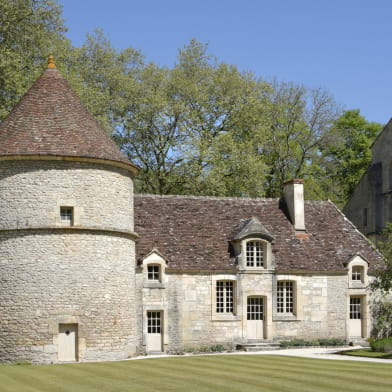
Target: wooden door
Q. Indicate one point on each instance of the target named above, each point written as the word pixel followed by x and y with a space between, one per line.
pixel 154 331
pixel 255 317
pixel 67 342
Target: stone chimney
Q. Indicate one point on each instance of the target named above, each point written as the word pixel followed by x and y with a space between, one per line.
pixel 293 193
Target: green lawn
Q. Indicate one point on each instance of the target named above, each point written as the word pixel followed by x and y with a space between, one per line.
pixel 236 373
pixel 366 352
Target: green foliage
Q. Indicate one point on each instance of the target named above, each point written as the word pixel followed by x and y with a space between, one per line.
pixel 316 342
pixel 346 154
pixel 366 352
pixel 29 31
pixel 383 345
pixel 201 127
pixel 299 120
pixel 383 282
pixel 382 318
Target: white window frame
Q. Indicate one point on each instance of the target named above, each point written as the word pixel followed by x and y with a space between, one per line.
pixel 357 272
pixel 225 292
pixel 154 259
pixel 67 215
pixel 254 254
pixel 153 272
pixel 355 308
pixel 285 297
pixel 221 309
pixel 357 267
pixel 255 260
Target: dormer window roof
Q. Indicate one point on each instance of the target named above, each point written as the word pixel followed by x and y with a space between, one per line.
pixel 253 228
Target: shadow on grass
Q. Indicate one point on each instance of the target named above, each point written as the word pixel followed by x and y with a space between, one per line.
pixel 366 352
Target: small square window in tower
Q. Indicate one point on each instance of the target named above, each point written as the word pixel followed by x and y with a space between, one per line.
pixel 66 216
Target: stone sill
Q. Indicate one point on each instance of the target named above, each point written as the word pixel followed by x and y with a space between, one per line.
pixel 286 318
pixel 225 318
pixel 151 285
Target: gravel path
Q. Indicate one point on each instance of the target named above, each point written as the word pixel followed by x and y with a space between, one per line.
pixel 313 352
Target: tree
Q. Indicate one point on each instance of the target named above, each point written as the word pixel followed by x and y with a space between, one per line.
pixel 103 77
pixel 181 126
pixel 347 153
pixel 29 31
pixel 384 278
pixel 300 119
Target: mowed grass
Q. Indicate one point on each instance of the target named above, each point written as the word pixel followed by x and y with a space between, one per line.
pixel 237 373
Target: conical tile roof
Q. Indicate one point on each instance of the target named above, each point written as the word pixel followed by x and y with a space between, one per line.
pixel 50 120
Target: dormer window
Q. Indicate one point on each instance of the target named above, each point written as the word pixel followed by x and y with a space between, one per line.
pixel 154 272
pixel 357 274
pixel 252 245
pixel 154 267
pixel 254 254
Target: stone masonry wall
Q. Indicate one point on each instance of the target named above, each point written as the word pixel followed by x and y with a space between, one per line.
pixel 50 275
pixel 48 278
pixel 31 193
pixel 321 309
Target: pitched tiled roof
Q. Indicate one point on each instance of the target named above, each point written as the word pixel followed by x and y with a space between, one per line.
pixel 50 120
pixel 194 233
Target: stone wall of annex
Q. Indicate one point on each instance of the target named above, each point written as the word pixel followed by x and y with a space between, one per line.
pixel 192 322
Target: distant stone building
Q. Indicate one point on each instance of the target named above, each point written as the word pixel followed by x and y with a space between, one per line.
pixel 370 207
pixel 205 271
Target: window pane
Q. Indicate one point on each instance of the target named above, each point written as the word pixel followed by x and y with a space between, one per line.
pixel 355 308
pixel 357 273
pixel 254 254
pixel 224 296
pixel 285 297
pixel 153 272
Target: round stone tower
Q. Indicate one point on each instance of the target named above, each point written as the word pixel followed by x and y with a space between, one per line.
pixel 67 258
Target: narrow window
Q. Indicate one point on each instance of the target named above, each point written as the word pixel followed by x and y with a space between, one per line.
pixel 357 274
pixel 154 273
pixel 254 254
pixel 285 297
pixel 355 308
pixel 365 217
pixel 66 216
pixel 224 296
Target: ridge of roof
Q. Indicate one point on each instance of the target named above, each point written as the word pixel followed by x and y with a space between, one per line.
pixel 151 195
pixel 50 120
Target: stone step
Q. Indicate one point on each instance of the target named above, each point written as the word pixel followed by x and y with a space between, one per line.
pixel 259 346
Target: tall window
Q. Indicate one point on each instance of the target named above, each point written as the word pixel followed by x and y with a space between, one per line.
pixel 357 274
pixel 254 254
pixel 66 216
pixel 225 296
pixel 154 272
pixel 285 297
pixel 355 308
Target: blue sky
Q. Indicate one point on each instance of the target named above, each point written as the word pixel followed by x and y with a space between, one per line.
pixel 343 46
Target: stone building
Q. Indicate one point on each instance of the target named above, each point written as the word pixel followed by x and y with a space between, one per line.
pixel 205 271
pixel 370 207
